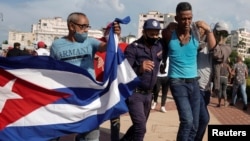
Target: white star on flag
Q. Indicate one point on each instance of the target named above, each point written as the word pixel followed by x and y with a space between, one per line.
pixel 6 93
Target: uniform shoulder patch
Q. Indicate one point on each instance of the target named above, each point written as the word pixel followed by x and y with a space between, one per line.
pixel 135 44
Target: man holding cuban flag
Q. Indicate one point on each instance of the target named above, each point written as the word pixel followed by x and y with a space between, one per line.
pixel 42 98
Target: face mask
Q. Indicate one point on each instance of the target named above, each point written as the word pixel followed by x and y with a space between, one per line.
pixel 80 37
pixel 151 41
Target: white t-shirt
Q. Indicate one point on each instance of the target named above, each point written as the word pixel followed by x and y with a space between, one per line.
pixel 166 70
pixel 42 52
pixel 204 68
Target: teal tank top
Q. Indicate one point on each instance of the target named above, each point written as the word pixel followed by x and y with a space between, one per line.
pixel 182 58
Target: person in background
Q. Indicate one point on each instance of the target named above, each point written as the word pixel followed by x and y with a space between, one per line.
pixel 225 71
pixel 221 53
pixel 78 40
pixel 205 67
pixel 99 70
pixel 16 51
pixel 240 72
pixel 144 55
pixel 4 53
pixel 41 49
pixel 182 51
pixel 162 82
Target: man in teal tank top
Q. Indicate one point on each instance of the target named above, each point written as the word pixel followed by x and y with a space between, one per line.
pixel 182 47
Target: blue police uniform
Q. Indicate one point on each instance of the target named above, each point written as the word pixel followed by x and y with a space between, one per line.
pixel 136 53
pixel 139 104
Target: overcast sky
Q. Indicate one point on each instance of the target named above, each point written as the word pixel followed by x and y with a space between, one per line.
pixel 21 14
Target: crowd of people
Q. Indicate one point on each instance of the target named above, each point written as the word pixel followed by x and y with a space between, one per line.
pixel 41 50
pixel 187 59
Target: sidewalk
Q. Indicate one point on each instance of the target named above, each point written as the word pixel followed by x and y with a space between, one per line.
pixel 164 126
pixel 160 126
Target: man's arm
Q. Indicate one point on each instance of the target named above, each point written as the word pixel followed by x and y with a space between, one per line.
pixel 167 32
pixel 166 37
pixel 246 72
pixel 211 42
pixel 233 70
pixel 229 69
pixel 130 55
pixel 117 30
pixel 139 66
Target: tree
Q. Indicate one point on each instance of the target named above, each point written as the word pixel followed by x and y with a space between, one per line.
pixel 232 57
pixel 5 42
pixel 247 62
pixel 241 43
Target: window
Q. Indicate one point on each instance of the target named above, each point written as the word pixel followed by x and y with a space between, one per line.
pixel 14 36
pixel 22 38
pixel 29 42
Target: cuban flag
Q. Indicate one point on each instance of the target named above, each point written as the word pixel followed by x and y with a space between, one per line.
pixel 41 98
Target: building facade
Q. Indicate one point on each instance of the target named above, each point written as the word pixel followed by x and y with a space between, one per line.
pixel 129 39
pixel 24 38
pixel 46 30
pixel 49 29
pixel 164 19
pixel 240 41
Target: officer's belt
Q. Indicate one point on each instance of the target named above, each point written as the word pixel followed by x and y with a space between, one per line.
pixel 141 91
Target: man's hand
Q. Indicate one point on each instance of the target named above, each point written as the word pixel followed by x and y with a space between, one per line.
pixel 100 62
pixel 117 28
pixel 147 65
pixel 204 26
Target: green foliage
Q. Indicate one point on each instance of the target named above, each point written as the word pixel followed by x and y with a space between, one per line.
pixel 247 62
pixel 232 57
pixel 241 43
pixel 5 42
pixel 248 89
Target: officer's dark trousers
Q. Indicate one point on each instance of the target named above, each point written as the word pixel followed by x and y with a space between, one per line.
pixel 115 129
pixel 139 108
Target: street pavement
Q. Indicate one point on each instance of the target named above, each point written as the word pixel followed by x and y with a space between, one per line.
pixel 164 126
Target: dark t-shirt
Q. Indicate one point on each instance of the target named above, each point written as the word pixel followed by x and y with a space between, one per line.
pixel 136 53
pixel 16 52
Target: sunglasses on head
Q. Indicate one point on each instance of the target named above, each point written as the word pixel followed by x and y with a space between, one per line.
pixel 222 33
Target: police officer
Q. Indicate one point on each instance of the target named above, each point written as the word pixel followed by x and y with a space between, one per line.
pixel 144 56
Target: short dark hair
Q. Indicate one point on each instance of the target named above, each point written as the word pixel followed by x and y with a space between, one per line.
pixel 16 44
pixel 183 6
